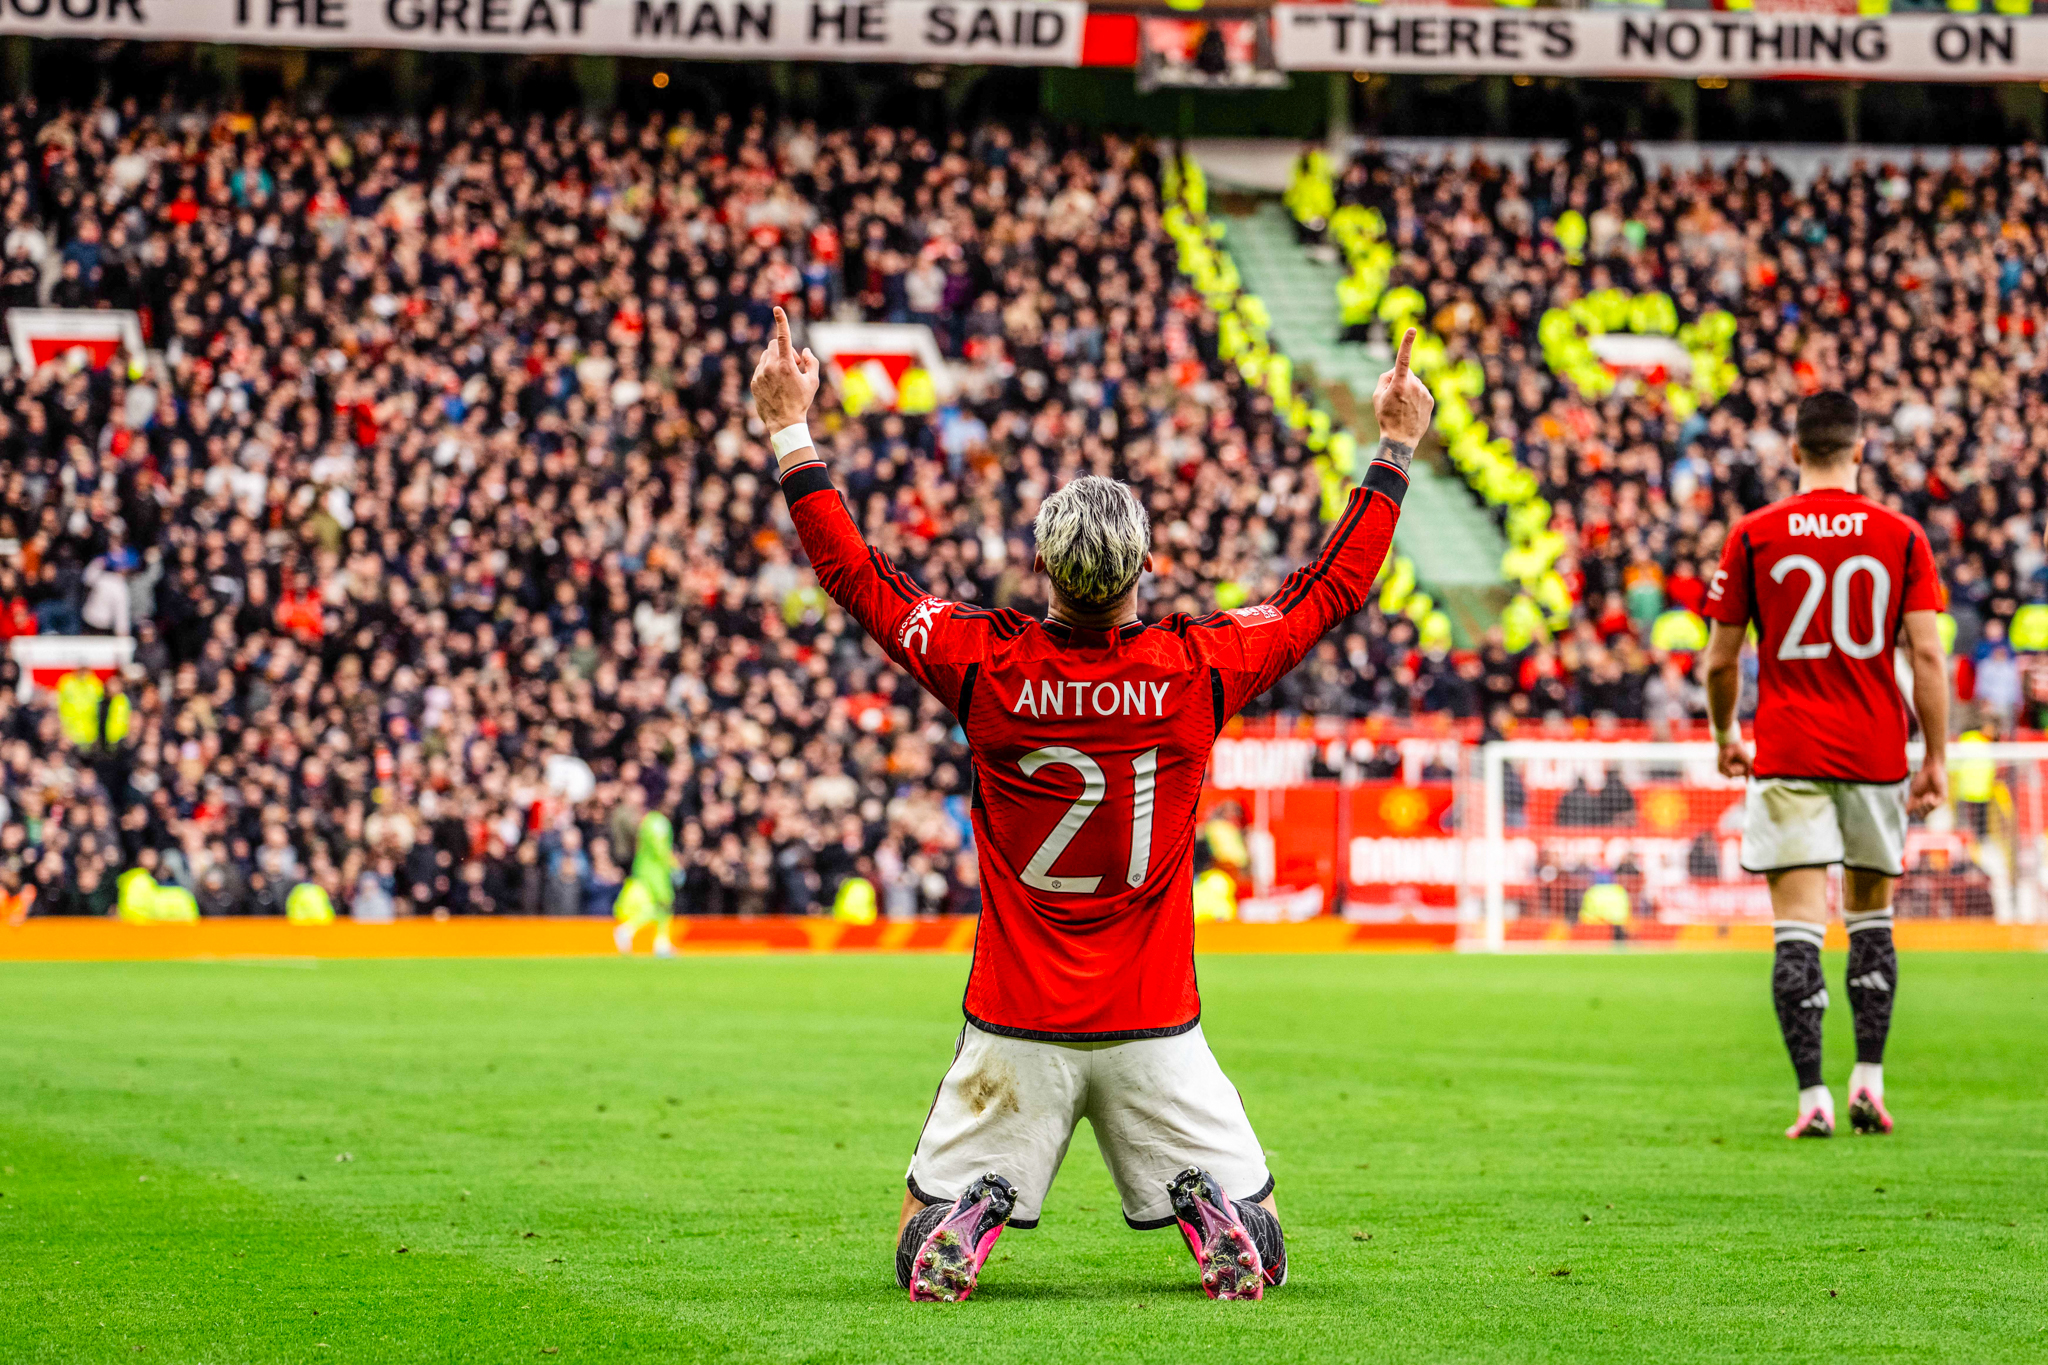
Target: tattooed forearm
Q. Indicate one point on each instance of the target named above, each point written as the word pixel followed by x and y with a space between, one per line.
pixel 1396 453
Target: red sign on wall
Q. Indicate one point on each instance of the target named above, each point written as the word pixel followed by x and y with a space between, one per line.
pixel 1311 826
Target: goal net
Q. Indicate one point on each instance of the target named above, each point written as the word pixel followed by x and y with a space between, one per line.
pixel 1584 840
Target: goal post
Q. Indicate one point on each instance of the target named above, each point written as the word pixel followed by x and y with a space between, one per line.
pixel 1582 839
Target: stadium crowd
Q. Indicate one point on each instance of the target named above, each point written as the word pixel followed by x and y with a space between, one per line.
pixel 1921 289
pixel 448 544
pixel 446 538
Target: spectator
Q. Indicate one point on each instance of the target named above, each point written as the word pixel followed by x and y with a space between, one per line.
pixel 1996 678
pixel 1580 807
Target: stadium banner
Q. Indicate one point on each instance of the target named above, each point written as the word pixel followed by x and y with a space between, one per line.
pixel 1683 43
pixel 986 33
pixel 98 335
pixel 892 365
pixel 43 660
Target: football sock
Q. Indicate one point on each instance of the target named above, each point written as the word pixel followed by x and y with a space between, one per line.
pixel 1801 995
pixel 914 1232
pixel 1873 981
pixel 1264 1226
pixel 1867 1076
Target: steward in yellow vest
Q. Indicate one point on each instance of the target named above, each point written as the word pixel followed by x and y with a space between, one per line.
pixel 94 716
pixel 1215 897
pixel 1678 631
pixel 1606 902
pixel 1215 889
pixel 855 901
pixel 141 901
pixel 2029 633
pixel 137 898
pixel 1972 778
pixel 916 393
pixel 309 903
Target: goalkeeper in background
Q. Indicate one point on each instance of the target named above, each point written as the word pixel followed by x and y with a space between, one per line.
pixel 649 895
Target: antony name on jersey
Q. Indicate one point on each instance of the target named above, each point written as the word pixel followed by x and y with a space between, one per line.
pixel 1050 697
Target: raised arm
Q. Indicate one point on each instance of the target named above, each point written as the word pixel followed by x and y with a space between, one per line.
pixel 1254 647
pixel 900 616
pixel 784 384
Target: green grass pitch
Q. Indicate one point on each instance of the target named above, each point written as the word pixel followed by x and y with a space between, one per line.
pixel 1509 1159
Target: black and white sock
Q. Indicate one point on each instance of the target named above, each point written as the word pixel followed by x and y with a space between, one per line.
pixel 1264 1226
pixel 914 1232
pixel 1801 995
pixel 1873 982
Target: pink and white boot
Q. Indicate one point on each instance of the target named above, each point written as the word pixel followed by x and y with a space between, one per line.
pixel 1867 1114
pixel 1816 1114
pixel 944 1266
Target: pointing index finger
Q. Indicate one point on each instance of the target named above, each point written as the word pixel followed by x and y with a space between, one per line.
pixel 1401 357
pixel 782 343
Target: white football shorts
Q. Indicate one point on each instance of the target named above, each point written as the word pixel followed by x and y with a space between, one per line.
pixel 1799 822
pixel 1158 1106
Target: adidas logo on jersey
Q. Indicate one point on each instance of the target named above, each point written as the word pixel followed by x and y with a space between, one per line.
pixel 1824 526
pixel 1817 1001
pixel 1871 981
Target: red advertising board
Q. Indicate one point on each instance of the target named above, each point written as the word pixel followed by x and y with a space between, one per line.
pixel 1309 824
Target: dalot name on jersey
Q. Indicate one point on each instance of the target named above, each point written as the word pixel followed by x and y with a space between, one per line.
pixel 1824 526
pixel 1044 697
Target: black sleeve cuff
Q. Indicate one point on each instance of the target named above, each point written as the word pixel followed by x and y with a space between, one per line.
pixel 1381 477
pixel 805 480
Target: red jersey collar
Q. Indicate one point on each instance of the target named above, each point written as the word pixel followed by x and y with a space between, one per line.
pixel 1074 635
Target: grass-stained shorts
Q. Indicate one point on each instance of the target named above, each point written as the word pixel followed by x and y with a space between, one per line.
pixel 1158 1106
pixel 1803 822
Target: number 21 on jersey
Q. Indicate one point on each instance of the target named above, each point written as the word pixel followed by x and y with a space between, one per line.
pixel 1037 873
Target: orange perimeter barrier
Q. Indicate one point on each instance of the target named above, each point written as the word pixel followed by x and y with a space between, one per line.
pixel 1911 935
pixel 107 940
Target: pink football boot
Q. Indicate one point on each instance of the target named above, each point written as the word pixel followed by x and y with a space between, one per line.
pixel 1867 1113
pixel 1816 1120
pixel 945 1266
pixel 1223 1247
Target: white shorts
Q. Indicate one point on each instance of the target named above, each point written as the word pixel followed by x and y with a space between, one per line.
pixel 1798 822
pixel 1158 1106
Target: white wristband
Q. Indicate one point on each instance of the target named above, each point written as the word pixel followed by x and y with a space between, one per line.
pixel 1731 735
pixel 790 438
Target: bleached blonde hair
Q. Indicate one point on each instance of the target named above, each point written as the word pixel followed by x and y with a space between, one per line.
pixel 1093 535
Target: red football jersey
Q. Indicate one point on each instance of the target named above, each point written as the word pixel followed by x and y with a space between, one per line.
pixel 1828 578
pixel 1089 750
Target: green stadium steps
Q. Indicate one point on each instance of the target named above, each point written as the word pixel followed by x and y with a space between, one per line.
pixel 1453 541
